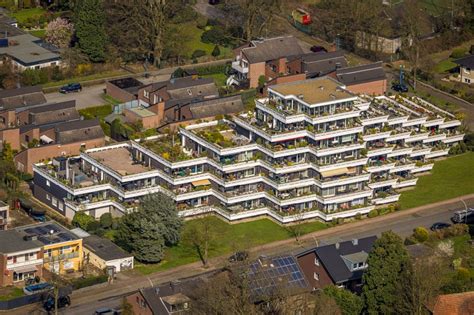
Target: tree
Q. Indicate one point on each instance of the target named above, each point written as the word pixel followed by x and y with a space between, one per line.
pixel 386 261
pixel 82 220
pixel 421 234
pixel 59 32
pixel 201 235
pixel 146 231
pixel 216 51
pixel 90 29
pixel 325 305
pixel 106 220
pixel 349 303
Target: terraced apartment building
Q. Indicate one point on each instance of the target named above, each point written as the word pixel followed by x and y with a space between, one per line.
pixel 311 149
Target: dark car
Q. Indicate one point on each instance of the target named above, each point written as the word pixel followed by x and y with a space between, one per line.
pixel 106 311
pixel 316 48
pixel 439 226
pixel 71 87
pixel 239 256
pixel 63 301
pixel 400 88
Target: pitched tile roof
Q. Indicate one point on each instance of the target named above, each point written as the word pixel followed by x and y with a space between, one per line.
pixel 331 257
pixel 466 61
pixel 272 48
pixel 454 304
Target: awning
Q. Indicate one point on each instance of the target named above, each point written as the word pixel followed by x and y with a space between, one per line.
pixel 46 139
pixel 24 269
pixel 337 171
pixel 203 182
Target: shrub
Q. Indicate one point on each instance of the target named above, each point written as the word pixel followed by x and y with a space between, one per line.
pixel 215 36
pixel 420 234
pixel 358 216
pixel 410 241
pixel 216 51
pixel 93 226
pixel 373 213
pixel 458 53
pixel 89 281
pixel 198 53
pixel 82 220
pixel 106 220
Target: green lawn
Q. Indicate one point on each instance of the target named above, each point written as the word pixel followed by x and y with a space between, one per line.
pixel 96 112
pixel 233 237
pixel 38 33
pixel 10 293
pixel 444 66
pixel 24 14
pixel 219 78
pixel 193 36
pixel 449 178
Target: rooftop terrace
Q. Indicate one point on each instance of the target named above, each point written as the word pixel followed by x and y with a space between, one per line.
pixel 313 91
pixel 119 159
pixel 223 135
pixel 168 147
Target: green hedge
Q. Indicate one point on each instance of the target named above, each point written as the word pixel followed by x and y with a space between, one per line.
pixel 96 112
pixel 89 281
pixel 211 69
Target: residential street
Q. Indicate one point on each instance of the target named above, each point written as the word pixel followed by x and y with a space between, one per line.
pixel 85 301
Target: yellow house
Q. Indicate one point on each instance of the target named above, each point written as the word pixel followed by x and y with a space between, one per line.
pixel 62 250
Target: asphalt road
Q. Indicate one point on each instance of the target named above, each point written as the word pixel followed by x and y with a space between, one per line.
pixel 87 300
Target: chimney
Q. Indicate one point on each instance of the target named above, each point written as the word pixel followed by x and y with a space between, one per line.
pixel 337 245
pixel 355 242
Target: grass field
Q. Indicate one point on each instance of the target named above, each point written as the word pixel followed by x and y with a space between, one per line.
pixel 449 178
pixel 232 237
pixel 97 76
pixel 444 66
pixel 193 35
pixel 219 78
pixel 24 14
pixel 9 293
pixel 38 33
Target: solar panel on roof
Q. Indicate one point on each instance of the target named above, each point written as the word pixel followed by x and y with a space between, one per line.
pixel 44 240
pixel 30 231
pixel 64 237
pixel 42 230
pixel 51 227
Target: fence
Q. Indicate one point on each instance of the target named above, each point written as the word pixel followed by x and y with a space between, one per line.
pixel 30 299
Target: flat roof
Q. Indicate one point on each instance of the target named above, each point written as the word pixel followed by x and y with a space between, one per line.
pixel 313 91
pixel 12 241
pixel 28 50
pixel 47 233
pixel 104 248
pixel 142 112
pixel 118 159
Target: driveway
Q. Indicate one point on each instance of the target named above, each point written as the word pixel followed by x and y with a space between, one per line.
pixel 91 96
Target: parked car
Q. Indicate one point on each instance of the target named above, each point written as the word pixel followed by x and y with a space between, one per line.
pixel 439 226
pixel 239 256
pixel 38 217
pixel 37 288
pixel 106 311
pixel 317 48
pixel 71 87
pixel 400 88
pixel 463 216
pixel 63 301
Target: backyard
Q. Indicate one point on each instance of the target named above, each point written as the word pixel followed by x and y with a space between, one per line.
pixel 449 178
pixel 232 237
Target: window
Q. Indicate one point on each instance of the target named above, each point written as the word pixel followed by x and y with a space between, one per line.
pixel 354 266
pixel 48 183
pixel 146 94
pixel 361 264
pixel 316 276
pixel 54 202
pixel 48 197
pixel 316 261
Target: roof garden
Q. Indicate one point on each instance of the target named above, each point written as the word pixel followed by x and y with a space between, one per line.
pixel 168 147
pixel 223 135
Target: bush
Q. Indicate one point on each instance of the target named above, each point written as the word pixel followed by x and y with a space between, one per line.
pixel 373 213
pixel 211 69
pixel 358 216
pixel 93 226
pixel 458 53
pixel 89 281
pixel 216 51
pixel 198 53
pixel 410 241
pixel 215 36
pixel 421 234
pixel 106 220
pixel 82 220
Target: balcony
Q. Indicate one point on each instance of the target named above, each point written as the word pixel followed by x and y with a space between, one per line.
pixel 236 65
pixel 385 197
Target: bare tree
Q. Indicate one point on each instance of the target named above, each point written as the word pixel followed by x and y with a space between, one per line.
pixel 201 235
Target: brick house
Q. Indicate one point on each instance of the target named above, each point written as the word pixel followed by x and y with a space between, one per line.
pixel 317 64
pixel 340 264
pixel 266 57
pixel 366 79
pixel 4 214
pixel 20 258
